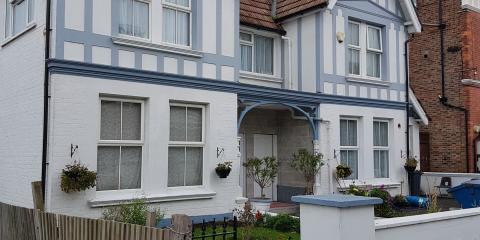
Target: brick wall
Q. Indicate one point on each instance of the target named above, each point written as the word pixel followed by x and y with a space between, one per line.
pixel 462 58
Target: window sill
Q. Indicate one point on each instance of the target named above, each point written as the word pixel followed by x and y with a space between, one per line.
pixel 12 38
pixel 260 77
pixel 371 81
pixel 131 42
pixel 170 195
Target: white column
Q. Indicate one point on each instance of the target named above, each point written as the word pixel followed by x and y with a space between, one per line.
pixel 337 217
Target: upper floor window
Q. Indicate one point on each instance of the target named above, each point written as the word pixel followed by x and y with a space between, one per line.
pixel 380 149
pixel 134 18
pixel 19 13
pixel 256 53
pixel 364 50
pixel 349 145
pixel 120 148
pixel 185 150
pixel 176 22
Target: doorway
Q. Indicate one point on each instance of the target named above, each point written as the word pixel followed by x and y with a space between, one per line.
pixel 265 145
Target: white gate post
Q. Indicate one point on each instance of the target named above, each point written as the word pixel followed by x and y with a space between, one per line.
pixel 337 217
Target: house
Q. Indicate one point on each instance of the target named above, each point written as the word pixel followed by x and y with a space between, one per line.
pixel 444 75
pixel 153 94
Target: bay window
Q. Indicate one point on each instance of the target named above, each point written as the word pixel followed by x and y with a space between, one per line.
pixel 256 53
pixel 380 149
pixel 364 50
pixel 349 145
pixel 186 145
pixel 135 18
pixel 176 22
pixel 120 148
pixel 19 13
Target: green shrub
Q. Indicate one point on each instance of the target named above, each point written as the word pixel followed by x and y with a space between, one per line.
pixel 134 212
pixel 385 209
pixel 357 191
pixel 76 178
pixel 400 201
pixel 282 223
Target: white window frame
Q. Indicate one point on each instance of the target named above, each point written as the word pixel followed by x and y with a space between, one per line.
pixel 149 24
pixel 351 148
pixel 364 49
pixel 382 148
pixel 11 4
pixel 124 143
pixel 252 44
pixel 178 8
pixel 188 143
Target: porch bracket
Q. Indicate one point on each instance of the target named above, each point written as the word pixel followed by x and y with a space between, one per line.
pixel 312 120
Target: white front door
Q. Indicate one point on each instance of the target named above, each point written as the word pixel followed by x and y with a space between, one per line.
pixel 265 146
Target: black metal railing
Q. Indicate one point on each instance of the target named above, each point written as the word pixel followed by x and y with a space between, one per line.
pixel 214 230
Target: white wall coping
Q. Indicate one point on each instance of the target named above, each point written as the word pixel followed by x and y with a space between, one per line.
pixel 442 174
pixel 424 218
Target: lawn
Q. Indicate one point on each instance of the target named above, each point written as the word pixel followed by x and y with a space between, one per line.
pixel 257 233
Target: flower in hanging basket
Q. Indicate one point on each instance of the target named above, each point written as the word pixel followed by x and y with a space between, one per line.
pixel 223 169
pixel 76 178
pixel 343 171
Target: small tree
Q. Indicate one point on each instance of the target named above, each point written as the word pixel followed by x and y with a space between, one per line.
pixel 309 164
pixel 263 171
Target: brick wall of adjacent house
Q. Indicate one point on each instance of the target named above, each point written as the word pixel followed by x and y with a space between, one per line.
pixel 21 111
pixel 447 128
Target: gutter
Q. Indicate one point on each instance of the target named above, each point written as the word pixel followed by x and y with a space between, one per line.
pixel 46 97
pixel 443 98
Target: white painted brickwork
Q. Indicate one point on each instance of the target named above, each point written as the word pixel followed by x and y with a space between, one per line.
pixel 75 103
pixel 21 112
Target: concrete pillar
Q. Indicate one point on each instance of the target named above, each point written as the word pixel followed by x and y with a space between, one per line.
pixel 337 217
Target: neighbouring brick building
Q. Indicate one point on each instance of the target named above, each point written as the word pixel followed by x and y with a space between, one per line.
pixel 450 142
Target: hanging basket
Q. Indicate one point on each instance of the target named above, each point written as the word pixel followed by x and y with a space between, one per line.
pixel 76 178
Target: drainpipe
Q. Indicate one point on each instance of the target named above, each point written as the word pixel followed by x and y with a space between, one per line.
pixel 46 97
pixel 290 64
pixel 407 90
pixel 443 98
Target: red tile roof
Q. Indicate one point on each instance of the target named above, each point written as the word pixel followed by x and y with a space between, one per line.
pixel 258 13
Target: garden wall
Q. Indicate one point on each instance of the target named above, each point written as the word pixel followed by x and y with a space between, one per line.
pixel 459 224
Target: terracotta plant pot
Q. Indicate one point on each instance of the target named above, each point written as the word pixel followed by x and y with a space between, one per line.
pixel 223 173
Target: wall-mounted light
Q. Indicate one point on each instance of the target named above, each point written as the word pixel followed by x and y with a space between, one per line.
pixel 340 37
pixel 477 129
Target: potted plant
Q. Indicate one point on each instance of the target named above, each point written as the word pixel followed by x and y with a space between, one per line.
pixel 343 171
pixel 263 171
pixel 309 164
pixel 223 169
pixel 76 178
pixel 410 164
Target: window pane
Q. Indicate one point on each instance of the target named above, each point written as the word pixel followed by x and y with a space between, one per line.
pixel 184 3
pixel 20 12
pixel 126 17
pixel 352 133
pixel 353 34
pixel 183 28
pixel 381 163
pixel 132 121
pixel 343 133
pixel 141 19
pixel 354 61
pixel 263 55
pixel 246 55
pixel 176 166
pixel 131 168
pixel 30 10
pixel 194 125
pixel 194 166
pixel 107 168
pixel 374 41
pixel 380 134
pixel 169 25
pixel 373 64
pixel 110 120
pixel 350 158
pixel 7 20
pixel 246 37
pixel 178 124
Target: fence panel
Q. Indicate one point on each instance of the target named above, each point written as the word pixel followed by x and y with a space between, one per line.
pixel 17 223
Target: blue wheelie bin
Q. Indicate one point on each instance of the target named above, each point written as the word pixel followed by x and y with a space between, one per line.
pixel 467 194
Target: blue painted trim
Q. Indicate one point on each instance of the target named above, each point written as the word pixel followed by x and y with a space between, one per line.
pixel 299 54
pixel 244 91
pixel 311 121
pixel 337 200
pixel 199 219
